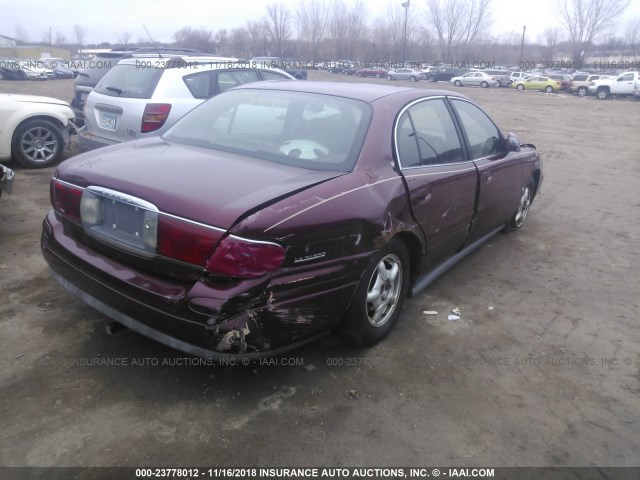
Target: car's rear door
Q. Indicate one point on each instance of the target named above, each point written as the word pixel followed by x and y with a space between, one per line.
pixel 441 183
pixel 500 172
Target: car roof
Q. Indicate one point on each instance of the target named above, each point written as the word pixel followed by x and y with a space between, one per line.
pixel 366 92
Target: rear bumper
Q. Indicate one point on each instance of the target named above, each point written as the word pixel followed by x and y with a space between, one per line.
pixel 243 319
pixel 89 141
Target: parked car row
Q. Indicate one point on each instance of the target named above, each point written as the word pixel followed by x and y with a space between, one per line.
pixel 28 69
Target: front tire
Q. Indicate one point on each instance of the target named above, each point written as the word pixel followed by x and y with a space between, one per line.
pixel 389 77
pixel 37 144
pixel 413 79
pixel 518 219
pixel 484 84
pixel 582 91
pixel 378 300
pixel 457 83
pixel 549 89
pixel 520 87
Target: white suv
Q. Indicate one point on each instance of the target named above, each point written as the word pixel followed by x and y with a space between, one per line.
pixel 143 97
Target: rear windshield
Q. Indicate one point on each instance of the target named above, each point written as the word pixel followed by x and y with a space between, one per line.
pixel 129 81
pixel 313 131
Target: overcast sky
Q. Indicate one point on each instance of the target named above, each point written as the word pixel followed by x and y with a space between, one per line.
pixel 104 20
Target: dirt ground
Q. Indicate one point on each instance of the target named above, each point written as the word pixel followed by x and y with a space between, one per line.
pixel 542 369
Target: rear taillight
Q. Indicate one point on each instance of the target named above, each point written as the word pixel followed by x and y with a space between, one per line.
pixel 243 258
pixel 65 199
pixel 186 241
pixel 154 116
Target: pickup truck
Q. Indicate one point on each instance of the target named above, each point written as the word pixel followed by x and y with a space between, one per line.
pixel 636 90
pixel 580 83
pixel 277 62
pixel 621 85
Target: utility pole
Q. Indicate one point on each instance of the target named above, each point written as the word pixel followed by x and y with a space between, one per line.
pixel 524 29
pixel 404 41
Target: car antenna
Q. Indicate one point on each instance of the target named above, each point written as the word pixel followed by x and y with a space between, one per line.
pixel 152 41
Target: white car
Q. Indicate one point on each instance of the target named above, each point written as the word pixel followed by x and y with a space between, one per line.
pixel 144 97
pixel 33 130
pixel 36 71
pixel 474 79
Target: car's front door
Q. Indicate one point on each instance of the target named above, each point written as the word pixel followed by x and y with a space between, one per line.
pixel 441 184
pixel 623 84
pixel 500 172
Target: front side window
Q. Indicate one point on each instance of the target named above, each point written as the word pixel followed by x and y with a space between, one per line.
pixel 430 126
pixel 483 136
pixel 313 131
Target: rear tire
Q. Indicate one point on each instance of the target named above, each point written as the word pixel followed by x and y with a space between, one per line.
pixel 582 91
pixel 378 300
pixel 389 77
pixel 602 93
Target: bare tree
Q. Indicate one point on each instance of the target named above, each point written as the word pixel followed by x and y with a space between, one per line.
pixel 21 34
pixel 258 38
pixel 200 39
pixel 311 22
pixel 59 39
pixel 395 30
pixel 221 41
pixel 239 41
pixel 356 26
pixel 457 24
pixel 278 21
pixel 47 37
pixel 550 38
pixel 633 36
pixel 347 25
pixel 80 34
pixel 124 38
pixel 338 27
pixel 584 19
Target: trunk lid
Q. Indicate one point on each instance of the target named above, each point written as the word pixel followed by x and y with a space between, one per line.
pixel 208 186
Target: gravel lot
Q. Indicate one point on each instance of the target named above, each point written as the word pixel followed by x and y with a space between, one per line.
pixel 543 368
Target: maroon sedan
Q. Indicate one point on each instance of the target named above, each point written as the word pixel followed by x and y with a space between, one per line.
pixel 274 212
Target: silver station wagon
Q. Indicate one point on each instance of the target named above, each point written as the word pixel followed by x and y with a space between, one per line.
pixel 143 97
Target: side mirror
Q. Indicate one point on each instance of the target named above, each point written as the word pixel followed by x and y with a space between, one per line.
pixel 513 144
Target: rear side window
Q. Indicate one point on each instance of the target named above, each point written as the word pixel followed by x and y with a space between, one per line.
pixel 201 85
pixel 129 81
pixel 233 78
pixel 267 75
